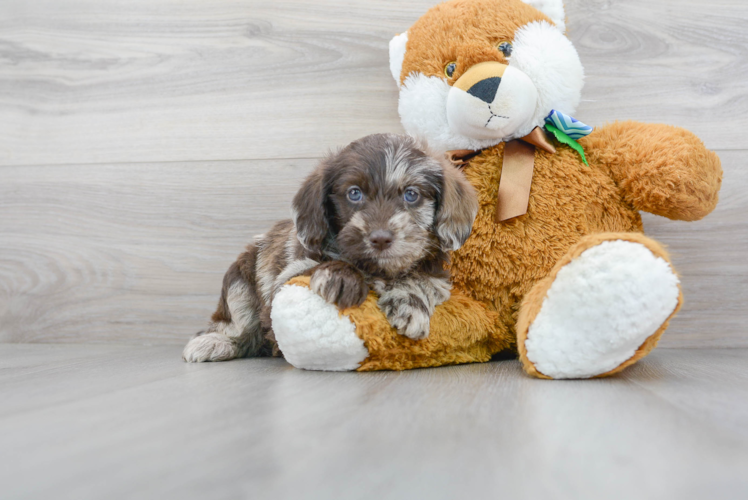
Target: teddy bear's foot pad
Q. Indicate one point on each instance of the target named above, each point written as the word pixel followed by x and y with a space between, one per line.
pixel 312 334
pixel 600 308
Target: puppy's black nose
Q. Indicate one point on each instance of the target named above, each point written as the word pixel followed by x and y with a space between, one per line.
pixel 485 90
pixel 381 239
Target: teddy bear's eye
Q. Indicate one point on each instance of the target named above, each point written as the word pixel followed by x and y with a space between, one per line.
pixel 505 48
pixel 449 69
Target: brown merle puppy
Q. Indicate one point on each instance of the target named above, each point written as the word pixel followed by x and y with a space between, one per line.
pixel 379 214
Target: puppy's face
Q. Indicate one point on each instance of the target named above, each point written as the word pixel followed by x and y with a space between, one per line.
pixel 384 205
pixel 385 200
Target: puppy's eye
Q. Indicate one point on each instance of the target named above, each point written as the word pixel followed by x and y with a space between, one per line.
pixel 505 48
pixel 449 69
pixel 354 194
pixel 410 195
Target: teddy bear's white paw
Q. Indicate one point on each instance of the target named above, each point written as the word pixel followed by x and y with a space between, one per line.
pixel 312 334
pixel 600 308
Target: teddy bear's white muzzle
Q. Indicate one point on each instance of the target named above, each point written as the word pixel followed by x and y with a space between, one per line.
pixel 491 106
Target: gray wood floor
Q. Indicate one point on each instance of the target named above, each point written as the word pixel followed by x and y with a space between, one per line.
pixel 116 422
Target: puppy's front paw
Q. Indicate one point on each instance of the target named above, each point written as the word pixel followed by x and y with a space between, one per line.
pixel 408 314
pixel 339 283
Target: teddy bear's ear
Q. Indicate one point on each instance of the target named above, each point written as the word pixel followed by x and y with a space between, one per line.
pixel 397 54
pixel 553 9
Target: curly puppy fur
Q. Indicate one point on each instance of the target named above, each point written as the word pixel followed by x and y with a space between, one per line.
pixel 379 214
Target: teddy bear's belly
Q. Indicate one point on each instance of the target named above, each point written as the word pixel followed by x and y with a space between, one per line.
pixel 501 262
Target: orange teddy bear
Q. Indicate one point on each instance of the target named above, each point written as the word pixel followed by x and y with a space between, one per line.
pixel 557 269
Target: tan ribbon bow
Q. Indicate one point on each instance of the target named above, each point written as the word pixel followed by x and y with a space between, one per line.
pixel 516 172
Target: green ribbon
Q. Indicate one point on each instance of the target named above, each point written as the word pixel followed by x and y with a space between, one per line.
pixel 563 138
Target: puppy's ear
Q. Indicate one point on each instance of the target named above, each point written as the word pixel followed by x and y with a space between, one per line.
pixel 310 210
pixel 458 206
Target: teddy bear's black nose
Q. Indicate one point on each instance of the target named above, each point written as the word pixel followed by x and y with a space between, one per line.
pixel 485 90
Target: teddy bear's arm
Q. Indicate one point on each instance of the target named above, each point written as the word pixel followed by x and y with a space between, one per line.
pixel 313 334
pixel 660 169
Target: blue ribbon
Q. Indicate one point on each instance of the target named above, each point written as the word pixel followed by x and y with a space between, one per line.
pixel 568 125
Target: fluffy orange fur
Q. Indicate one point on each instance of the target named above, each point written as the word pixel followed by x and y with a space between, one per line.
pixel 632 167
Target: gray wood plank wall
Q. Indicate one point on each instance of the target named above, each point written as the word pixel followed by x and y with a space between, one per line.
pixel 142 143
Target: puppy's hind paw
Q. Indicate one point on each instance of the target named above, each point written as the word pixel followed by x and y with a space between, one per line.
pixel 210 347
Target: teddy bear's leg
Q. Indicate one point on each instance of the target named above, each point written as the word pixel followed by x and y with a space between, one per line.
pixel 603 307
pixel 312 334
pixel 315 335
